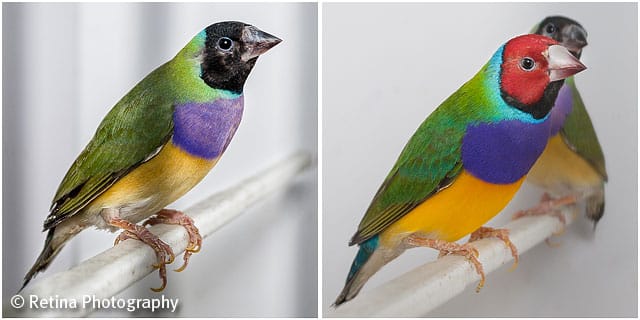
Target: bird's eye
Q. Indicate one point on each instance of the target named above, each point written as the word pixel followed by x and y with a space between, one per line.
pixel 527 64
pixel 225 43
pixel 550 28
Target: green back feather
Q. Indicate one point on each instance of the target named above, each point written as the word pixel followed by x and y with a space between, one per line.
pixel 579 134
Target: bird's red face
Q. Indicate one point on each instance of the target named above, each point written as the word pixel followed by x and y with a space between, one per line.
pixel 530 63
pixel 525 70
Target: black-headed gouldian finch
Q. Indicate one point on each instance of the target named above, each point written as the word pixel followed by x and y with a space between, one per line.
pixel 466 160
pixel 157 143
pixel 572 165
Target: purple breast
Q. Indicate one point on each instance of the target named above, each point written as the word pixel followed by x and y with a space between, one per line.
pixel 205 129
pixel 503 152
pixel 561 109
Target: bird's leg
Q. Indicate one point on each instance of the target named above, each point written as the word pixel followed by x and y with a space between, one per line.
pixel 466 250
pixel 168 216
pixel 548 205
pixel 163 251
pixel 502 234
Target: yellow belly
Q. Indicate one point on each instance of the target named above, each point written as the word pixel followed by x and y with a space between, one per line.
pixel 156 183
pixel 453 212
pixel 560 169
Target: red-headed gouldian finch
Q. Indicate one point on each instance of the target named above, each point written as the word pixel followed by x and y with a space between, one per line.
pixel 466 160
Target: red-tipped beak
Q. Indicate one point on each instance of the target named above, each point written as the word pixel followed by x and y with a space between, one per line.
pixel 562 63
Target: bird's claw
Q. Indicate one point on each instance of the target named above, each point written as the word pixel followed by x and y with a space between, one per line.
pixel 163 276
pixel 502 234
pixel 466 250
pixel 548 206
pixel 167 216
pixel 164 253
pixel 124 236
pixel 194 249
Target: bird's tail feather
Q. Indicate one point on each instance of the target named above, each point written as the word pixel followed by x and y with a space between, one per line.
pixel 595 205
pixel 49 252
pixel 368 261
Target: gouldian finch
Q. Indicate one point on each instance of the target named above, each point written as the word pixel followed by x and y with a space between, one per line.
pixel 572 165
pixel 466 161
pixel 157 143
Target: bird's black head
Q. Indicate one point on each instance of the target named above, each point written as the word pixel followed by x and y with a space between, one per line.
pixel 566 31
pixel 230 52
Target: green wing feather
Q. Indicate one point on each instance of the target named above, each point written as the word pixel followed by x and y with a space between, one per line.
pixel 131 133
pixel 579 134
pixel 432 159
pixel 429 162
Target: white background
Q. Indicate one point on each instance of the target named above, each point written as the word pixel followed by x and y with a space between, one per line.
pixel 386 67
pixel 66 65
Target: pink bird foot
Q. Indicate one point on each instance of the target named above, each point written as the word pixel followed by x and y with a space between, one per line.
pixel 466 250
pixel 168 216
pixel 163 251
pixel 548 205
pixel 502 234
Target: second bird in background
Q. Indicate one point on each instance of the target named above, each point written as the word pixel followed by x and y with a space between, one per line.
pixel 572 165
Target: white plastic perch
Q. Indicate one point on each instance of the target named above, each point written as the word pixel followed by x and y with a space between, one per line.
pixel 117 268
pixel 417 292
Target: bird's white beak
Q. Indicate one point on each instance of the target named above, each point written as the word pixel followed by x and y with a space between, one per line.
pixel 562 63
pixel 257 41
